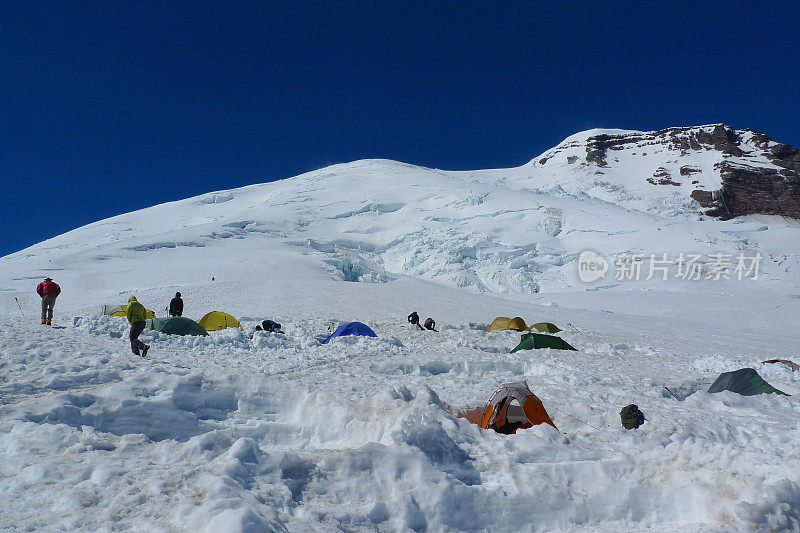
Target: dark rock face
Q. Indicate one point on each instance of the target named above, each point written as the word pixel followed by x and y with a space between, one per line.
pixel 750 190
pixel 662 177
pixel 748 187
pixel 686 170
pixel 712 201
pixel 596 150
pixel 722 138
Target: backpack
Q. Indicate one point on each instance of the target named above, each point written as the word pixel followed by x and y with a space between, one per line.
pixel 269 325
pixel 631 417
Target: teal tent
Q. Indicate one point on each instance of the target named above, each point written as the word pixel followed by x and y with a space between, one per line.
pixel 176 325
pixel 533 341
pixel 744 381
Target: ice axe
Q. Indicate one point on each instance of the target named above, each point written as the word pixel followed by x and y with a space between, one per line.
pixel 20 307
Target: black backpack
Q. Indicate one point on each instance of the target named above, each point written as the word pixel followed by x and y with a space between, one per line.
pixel 631 416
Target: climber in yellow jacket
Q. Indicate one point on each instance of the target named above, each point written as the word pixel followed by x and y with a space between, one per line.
pixel 137 316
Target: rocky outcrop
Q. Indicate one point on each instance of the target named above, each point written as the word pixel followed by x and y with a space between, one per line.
pixel 755 189
pixel 748 190
pixel 687 170
pixel 748 185
pixel 722 138
pixel 718 137
pixel 596 150
pixel 662 177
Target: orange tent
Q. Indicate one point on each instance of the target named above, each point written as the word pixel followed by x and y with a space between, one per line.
pixel 513 406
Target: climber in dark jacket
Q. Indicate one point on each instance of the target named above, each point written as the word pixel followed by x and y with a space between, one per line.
pixel 413 318
pixel 430 324
pixel 271 326
pixel 176 305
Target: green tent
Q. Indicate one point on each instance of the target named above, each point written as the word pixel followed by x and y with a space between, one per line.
pixel 744 381
pixel 546 327
pixel 532 341
pixel 176 325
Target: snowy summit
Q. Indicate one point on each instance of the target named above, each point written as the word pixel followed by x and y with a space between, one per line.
pixel 689 235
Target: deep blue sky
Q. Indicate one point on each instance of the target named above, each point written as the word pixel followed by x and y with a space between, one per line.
pixel 107 107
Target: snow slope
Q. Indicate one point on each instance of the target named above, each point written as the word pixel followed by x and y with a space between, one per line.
pixel 281 433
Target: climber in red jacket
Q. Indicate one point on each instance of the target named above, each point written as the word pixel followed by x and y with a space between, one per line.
pixel 48 290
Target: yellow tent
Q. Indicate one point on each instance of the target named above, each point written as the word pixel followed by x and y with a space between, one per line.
pixel 119 310
pixel 217 320
pixel 503 322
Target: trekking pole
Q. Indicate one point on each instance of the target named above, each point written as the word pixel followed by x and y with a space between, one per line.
pixel 20 307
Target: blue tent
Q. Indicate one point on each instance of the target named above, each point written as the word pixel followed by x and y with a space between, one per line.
pixel 353 328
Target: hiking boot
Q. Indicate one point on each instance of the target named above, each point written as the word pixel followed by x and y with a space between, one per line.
pixel 49 322
pixel 144 350
pixel 44 321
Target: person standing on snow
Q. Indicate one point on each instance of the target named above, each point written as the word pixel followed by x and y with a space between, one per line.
pixel 48 290
pixel 137 316
pixel 176 305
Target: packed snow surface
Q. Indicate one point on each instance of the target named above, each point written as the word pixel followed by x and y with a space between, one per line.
pixel 250 431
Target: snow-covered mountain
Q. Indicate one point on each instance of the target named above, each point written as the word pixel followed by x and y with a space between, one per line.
pixel 512 231
pixel 232 433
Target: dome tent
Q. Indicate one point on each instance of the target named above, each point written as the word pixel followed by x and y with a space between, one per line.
pixel 545 327
pixel 534 341
pixel 112 310
pixel 353 328
pixel 503 322
pixel 744 381
pixel 176 325
pixel 511 407
pixel 218 320
pixel 119 310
